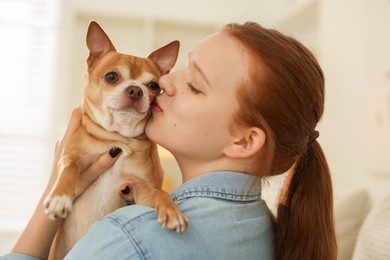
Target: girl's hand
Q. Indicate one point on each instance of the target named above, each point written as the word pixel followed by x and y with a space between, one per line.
pixel 73 124
pixel 95 170
pixel 92 172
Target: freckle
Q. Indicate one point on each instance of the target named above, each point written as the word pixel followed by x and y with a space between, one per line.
pixel 174 125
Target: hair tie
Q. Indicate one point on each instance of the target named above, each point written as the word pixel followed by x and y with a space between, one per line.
pixel 312 137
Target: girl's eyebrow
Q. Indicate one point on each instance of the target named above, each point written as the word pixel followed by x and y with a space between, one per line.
pixel 199 69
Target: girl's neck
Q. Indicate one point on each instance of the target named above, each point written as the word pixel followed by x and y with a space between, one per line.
pixel 193 168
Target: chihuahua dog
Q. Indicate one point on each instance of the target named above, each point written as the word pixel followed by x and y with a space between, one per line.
pixel 116 106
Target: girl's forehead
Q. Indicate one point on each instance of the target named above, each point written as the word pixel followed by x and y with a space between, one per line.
pixel 214 40
pixel 221 46
pixel 222 58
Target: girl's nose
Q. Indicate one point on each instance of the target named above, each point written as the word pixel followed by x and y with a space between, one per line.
pixel 166 84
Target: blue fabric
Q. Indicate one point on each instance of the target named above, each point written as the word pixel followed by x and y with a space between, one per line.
pixel 228 220
pixel 16 256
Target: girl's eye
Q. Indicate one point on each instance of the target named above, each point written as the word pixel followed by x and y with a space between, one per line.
pixel 111 77
pixel 194 89
pixel 153 85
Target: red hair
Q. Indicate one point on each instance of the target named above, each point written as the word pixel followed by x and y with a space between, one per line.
pixel 284 96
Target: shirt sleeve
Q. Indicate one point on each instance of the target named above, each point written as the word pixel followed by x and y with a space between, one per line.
pixel 17 256
pixel 108 239
pixel 104 240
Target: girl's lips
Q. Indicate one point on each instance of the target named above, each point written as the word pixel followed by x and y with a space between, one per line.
pixel 156 107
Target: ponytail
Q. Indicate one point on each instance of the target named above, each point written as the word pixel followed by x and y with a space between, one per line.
pixel 284 96
pixel 304 227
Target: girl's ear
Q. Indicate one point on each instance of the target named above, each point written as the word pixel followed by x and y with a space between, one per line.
pixel 247 144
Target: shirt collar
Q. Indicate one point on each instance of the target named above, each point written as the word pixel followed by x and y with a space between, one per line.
pixel 234 186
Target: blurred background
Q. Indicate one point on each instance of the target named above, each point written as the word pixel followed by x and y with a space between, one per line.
pixel 42 65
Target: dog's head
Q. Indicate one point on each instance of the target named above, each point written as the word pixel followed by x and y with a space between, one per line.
pixel 120 88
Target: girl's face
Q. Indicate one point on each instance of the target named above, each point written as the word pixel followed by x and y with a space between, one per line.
pixel 192 118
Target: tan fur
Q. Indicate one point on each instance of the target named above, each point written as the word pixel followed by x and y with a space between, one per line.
pixel 111 118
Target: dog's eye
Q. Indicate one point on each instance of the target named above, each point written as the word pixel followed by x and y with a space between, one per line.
pixel 111 77
pixel 153 85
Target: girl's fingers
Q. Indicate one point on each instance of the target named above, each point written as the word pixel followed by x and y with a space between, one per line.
pixel 73 124
pixel 95 170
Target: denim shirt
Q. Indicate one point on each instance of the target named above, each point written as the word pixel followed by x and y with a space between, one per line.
pixel 228 220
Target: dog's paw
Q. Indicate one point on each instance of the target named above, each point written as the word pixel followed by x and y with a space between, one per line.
pixel 58 206
pixel 169 216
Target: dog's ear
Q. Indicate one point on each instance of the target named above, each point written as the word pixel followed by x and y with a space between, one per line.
pixel 98 43
pixel 165 57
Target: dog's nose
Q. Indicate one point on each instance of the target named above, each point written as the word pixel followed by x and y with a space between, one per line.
pixel 134 92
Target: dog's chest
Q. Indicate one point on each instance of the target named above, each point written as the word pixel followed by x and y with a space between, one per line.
pixel 108 183
pixel 101 198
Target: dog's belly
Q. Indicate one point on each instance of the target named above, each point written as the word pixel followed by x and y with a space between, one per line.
pixel 101 198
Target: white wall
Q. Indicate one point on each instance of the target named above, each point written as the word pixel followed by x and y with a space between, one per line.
pixel 350 37
pixel 355 54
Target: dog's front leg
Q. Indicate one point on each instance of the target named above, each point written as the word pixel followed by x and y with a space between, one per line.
pixel 169 216
pixel 59 202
